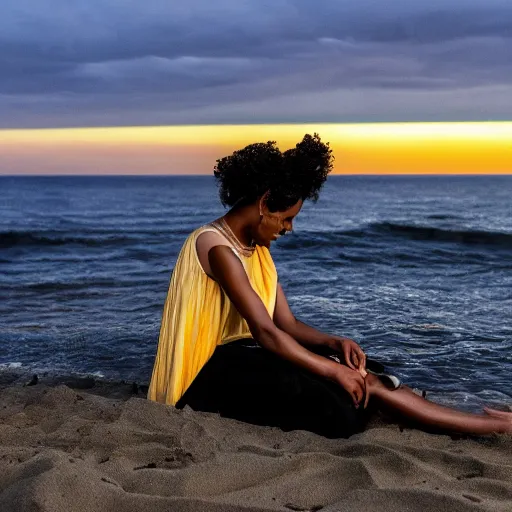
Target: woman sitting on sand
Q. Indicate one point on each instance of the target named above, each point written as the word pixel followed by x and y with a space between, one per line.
pixel 229 342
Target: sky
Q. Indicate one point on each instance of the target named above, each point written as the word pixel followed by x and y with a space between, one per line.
pixel 105 63
pixel 359 148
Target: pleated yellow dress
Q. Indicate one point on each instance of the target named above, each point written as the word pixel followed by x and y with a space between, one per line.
pixel 198 316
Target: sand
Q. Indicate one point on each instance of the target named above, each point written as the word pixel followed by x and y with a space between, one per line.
pixel 82 445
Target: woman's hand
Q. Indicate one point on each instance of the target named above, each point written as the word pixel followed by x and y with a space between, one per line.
pixel 353 353
pixel 353 383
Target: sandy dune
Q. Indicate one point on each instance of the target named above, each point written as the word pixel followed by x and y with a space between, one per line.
pixel 106 448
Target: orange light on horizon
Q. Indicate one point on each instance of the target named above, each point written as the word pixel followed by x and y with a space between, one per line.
pixel 376 148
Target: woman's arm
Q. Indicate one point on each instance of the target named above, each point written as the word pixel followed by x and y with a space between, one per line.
pixel 309 336
pixel 230 274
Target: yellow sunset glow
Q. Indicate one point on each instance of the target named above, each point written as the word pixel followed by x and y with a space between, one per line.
pixel 380 148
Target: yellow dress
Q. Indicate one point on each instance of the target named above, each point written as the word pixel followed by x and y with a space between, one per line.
pixel 198 316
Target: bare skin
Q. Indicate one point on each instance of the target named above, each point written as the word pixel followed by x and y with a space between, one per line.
pixel 289 338
pixel 407 405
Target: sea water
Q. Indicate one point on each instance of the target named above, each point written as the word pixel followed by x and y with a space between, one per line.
pixel 417 269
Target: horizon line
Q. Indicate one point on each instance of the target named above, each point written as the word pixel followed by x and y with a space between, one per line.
pixel 203 175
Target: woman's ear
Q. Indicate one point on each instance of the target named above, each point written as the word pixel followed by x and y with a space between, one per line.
pixel 263 203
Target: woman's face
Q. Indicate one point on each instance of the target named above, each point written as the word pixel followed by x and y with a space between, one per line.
pixel 275 224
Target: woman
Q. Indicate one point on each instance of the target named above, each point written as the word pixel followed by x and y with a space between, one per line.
pixel 229 342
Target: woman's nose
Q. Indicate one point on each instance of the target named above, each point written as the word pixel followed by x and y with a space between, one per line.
pixel 288 226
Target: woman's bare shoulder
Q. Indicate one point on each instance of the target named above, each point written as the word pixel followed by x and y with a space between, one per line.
pixel 205 241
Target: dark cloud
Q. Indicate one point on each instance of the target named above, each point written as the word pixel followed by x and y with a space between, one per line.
pixel 103 62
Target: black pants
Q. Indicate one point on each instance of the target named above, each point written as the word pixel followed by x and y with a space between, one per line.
pixel 251 384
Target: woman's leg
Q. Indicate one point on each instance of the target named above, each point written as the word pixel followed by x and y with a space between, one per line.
pixel 405 403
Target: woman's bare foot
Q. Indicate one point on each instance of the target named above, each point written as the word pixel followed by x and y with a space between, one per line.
pixel 406 404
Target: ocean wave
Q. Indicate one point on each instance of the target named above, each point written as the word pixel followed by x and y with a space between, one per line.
pixel 428 233
pixel 366 235
pixel 87 238
pixel 440 216
pixel 371 233
pixel 10 239
pixel 92 285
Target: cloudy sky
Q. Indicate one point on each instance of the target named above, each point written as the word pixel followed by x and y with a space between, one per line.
pixel 158 62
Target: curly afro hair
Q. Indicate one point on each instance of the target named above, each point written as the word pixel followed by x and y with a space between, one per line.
pixel 251 172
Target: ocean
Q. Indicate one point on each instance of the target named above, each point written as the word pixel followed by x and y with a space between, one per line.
pixel 417 269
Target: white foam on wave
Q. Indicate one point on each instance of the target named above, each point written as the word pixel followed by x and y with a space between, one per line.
pixel 53 370
pixel 10 366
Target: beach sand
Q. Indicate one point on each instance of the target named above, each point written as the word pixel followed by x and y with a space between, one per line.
pixel 70 444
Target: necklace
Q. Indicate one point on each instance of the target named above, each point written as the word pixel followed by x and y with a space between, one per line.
pixel 224 228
